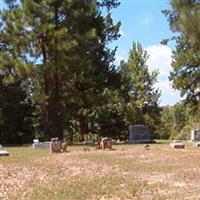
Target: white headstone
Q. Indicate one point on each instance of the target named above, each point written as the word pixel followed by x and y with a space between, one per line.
pixel 41 145
pixel 177 144
pixel 4 153
pixel 35 141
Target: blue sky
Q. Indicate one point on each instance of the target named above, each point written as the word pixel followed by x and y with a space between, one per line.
pixel 143 21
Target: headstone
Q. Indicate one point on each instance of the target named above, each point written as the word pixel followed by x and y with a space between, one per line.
pixel 196 144
pixel 35 141
pixel 64 146
pixel 55 145
pixel 40 145
pixel 139 134
pixel 195 135
pixel 3 152
pixel 87 142
pixel 177 145
pixel 106 143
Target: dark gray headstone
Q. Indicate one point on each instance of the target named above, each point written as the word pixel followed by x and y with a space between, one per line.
pixel 139 133
pixel 195 135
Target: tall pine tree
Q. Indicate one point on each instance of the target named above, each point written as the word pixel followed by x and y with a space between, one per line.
pixel 61 49
pixel 138 92
pixel 184 19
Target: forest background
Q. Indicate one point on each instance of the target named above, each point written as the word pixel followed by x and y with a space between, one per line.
pixel 58 76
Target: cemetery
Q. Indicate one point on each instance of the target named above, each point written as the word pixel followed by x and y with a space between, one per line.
pixel 99 99
pixel 155 171
pixel 57 170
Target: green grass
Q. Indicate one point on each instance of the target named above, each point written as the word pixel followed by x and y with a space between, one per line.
pixel 92 188
pixel 22 155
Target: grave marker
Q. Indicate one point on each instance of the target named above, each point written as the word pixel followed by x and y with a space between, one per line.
pixel 40 145
pixel 106 143
pixel 177 145
pixel 139 134
pixel 195 135
pixel 3 152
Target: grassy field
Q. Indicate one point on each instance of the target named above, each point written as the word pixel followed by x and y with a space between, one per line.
pixel 128 172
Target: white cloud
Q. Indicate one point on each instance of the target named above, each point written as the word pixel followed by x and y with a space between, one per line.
pixel 147 19
pixel 169 96
pixel 160 57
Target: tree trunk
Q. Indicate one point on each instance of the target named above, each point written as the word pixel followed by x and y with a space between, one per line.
pixel 45 104
pixel 55 108
pixel 55 105
pixel 83 127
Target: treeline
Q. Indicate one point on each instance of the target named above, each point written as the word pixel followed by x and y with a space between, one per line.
pixel 177 121
pixel 58 78
pixel 183 19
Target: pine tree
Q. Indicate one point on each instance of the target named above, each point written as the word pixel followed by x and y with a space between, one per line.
pixel 184 19
pixel 61 48
pixel 138 92
pixel 16 119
